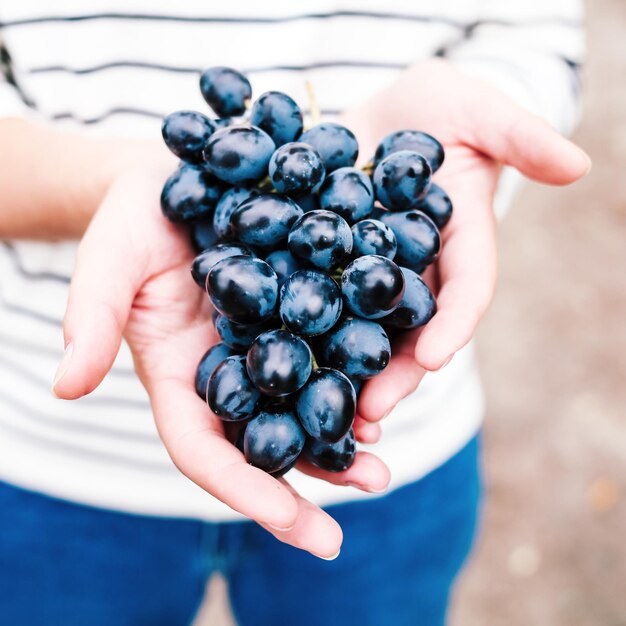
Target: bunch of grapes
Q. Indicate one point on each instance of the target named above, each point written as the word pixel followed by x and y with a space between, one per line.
pixel 310 263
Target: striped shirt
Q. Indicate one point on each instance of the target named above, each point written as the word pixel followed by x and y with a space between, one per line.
pixel 115 68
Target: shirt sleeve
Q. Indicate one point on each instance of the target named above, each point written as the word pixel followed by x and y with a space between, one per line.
pixel 532 50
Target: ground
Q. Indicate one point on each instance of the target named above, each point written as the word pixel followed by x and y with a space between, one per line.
pixel 553 357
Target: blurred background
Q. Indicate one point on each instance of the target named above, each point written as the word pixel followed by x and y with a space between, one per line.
pixel 552 350
pixel 553 357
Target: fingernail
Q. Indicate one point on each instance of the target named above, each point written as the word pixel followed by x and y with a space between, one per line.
pixel 330 558
pixel 63 366
pixel 280 530
pixel 446 362
pixel 382 490
pixel 589 163
pixel 364 488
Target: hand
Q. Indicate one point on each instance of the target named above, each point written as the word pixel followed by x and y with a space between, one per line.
pixel 481 130
pixel 132 278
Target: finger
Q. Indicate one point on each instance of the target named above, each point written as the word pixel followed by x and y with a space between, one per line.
pixel 366 432
pixel 314 530
pixel 197 446
pixel 367 473
pixel 381 393
pixel 114 259
pixel 103 287
pixel 510 134
pixel 467 274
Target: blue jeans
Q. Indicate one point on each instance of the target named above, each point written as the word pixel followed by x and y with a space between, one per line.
pixel 73 565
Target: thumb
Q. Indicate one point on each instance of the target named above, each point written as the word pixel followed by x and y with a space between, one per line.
pixel 512 135
pixel 101 295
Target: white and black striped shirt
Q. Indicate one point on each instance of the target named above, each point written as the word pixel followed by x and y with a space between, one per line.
pixel 116 68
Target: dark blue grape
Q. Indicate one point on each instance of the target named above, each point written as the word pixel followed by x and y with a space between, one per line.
pixel 243 289
pixel 186 133
pixel 401 179
pixel 190 194
pixel 378 212
pixel 437 205
pixel 417 236
pixel 238 442
pixel 279 363
pixel 326 405
pixel 239 155
pixel 321 238
pixel 358 348
pixel 284 470
pixel 308 203
pixel 211 359
pixel 264 220
pixel 332 457
pixel 283 263
pixel 372 286
pixel 273 440
pixel 225 90
pixel 417 305
pixel 278 115
pixel 296 169
pixel 241 336
pixel 205 261
pixel 226 207
pixel 414 140
pixel 230 392
pixel 373 237
pixel 349 193
pixel 357 383
pixel 310 303
pixel 202 235
pixel 336 144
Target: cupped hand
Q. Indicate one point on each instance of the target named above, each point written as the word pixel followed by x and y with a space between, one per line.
pixel 481 130
pixel 132 279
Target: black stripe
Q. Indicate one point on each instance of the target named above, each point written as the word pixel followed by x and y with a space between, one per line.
pixel 425 19
pixel 31 275
pixel 554 20
pixel 70 115
pixel 198 70
pixel 80 451
pixel 7 73
pixel 575 66
pixel 86 426
pixel 36 315
pixel 41 350
pixel 232 20
pixel 113 401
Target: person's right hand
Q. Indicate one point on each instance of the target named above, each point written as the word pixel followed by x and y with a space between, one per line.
pixel 132 279
pixel 481 130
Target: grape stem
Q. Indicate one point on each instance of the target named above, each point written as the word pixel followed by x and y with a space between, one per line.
pixel 316 116
pixel 368 168
pixel 265 184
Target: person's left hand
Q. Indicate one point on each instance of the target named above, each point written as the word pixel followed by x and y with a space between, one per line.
pixel 132 279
